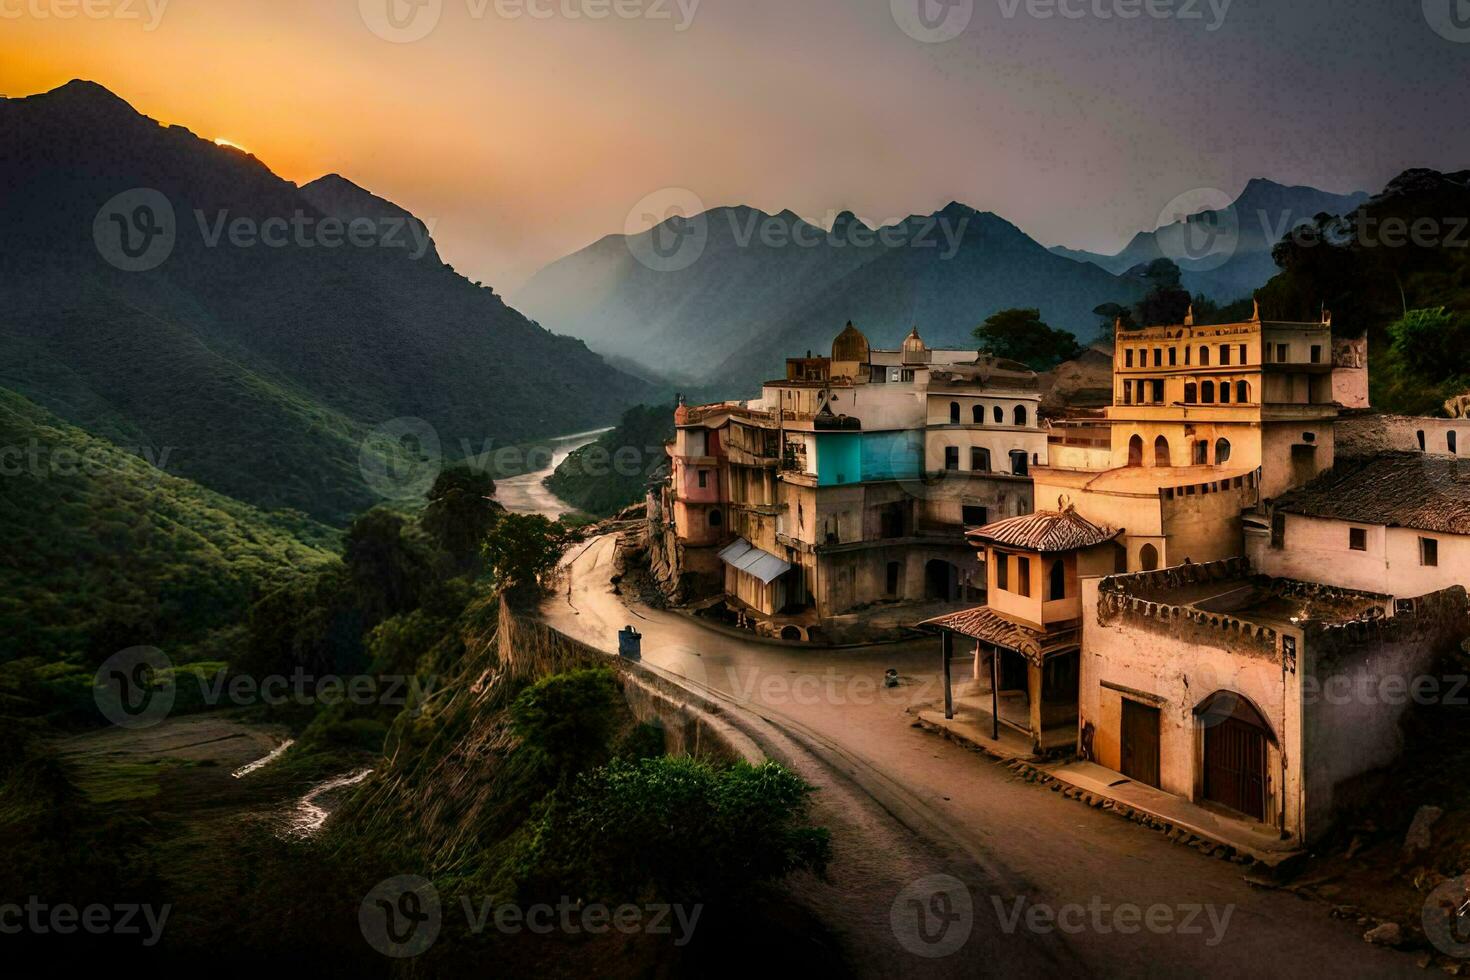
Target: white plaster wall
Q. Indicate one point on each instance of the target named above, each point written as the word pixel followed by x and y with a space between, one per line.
pixel 1316 550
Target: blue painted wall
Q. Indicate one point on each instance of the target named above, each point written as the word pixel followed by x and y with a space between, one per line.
pixel 839 458
pixel 893 455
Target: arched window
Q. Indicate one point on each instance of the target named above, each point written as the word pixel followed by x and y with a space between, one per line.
pixel 1243 392
pixel 1135 451
pixel 1021 415
pixel 1452 441
pixel 1161 451
pixel 1000 415
pixel 1208 393
pixel 954 412
pixel 1191 393
pixel 1148 558
pixel 1204 357
pixel 980 460
pixel 1222 451
pixel 1058 585
pixel 1224 392
pixel 978 414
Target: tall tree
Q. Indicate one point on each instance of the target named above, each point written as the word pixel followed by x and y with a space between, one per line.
pixel 459 515
pixel 1021 335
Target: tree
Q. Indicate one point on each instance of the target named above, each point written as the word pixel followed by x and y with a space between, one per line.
pixel 387 568
pixel 1432 343
pixel 459 515
pixel 1112 315
pixel 1166 301
pixel 520 548
pixel 1020 335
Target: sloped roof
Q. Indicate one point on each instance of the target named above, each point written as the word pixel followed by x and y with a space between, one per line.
pixel 1045 531
pixel 752 560
pixel 1410 490
pixel 984 623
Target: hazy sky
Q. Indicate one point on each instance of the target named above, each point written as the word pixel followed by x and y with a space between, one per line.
pixel 527 137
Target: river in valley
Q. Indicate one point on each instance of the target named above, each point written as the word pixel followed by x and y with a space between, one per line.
pixel 525 494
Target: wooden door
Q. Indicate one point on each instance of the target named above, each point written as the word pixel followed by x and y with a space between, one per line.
pixel 1141 742
pixel 1235 766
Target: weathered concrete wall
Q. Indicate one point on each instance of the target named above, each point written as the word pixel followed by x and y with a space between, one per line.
pixel 1365 435
pixel 1289 459
pixel 1317 549
pixel 1358 683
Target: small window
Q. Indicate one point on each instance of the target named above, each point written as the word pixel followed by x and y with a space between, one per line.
pixel 1283 353
pixel 1191 393
pixel 1023 576
pixel 907 374
pixel 1159 392
pixel 1224 353
pixel 951 457
pixel 1316 353
pixel 1002 571
pixel 1058 584
pixel 703 479
pixel 1451 440
pixel 1186 355
pixel 1158 357
pixel 976 516
pixel 999 414
pixel 1018 462
pixel 715 518
pixel 1358 538
pixel 1243 357
pixel 954 413
pixel 1208 392
pixel 1204 357
pixel 980 460
pixel 1128 357
pixel 1278 530
pixel 977 414
pixel 1429 552
pixel 1421 440
pixel 1173 356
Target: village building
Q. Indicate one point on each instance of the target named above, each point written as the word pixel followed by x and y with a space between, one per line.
pixel 1027 639
pixel 851 481
pixel 1396 523
pixel 1207 421
pixel 1269 700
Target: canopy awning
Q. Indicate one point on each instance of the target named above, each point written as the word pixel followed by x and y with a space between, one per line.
pixel 753 561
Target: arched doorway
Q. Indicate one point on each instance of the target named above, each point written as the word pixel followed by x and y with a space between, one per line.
pixel 1135 451
pixel 1222 451
pixel 1235 752
pixel 1148 558
pixel 1161 451
pixel 941 581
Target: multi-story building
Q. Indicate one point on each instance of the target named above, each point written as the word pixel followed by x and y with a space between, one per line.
pixel 853 479
pixel 1206 422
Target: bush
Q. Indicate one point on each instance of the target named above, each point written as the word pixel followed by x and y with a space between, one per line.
pixel 566 720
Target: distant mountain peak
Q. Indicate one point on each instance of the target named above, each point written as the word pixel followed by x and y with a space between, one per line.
pixel 81 95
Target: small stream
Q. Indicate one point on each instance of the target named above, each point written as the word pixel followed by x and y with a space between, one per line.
pixel 313 809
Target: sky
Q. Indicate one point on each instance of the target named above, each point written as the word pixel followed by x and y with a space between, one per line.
pixel 523 130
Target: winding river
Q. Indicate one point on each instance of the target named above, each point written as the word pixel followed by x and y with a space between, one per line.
pixel 526 494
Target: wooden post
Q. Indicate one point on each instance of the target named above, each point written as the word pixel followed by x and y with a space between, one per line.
pixel 946 646
pixel 995 693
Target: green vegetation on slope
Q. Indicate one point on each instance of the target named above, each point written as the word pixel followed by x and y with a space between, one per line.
pixel 105 551
pixel 604 477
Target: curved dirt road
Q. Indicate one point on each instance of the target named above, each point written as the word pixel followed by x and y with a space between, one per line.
pixel 1051 887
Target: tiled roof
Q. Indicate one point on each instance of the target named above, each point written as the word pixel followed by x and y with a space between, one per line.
pixel 1411 490
pixel 985 624
pixel 1045 531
